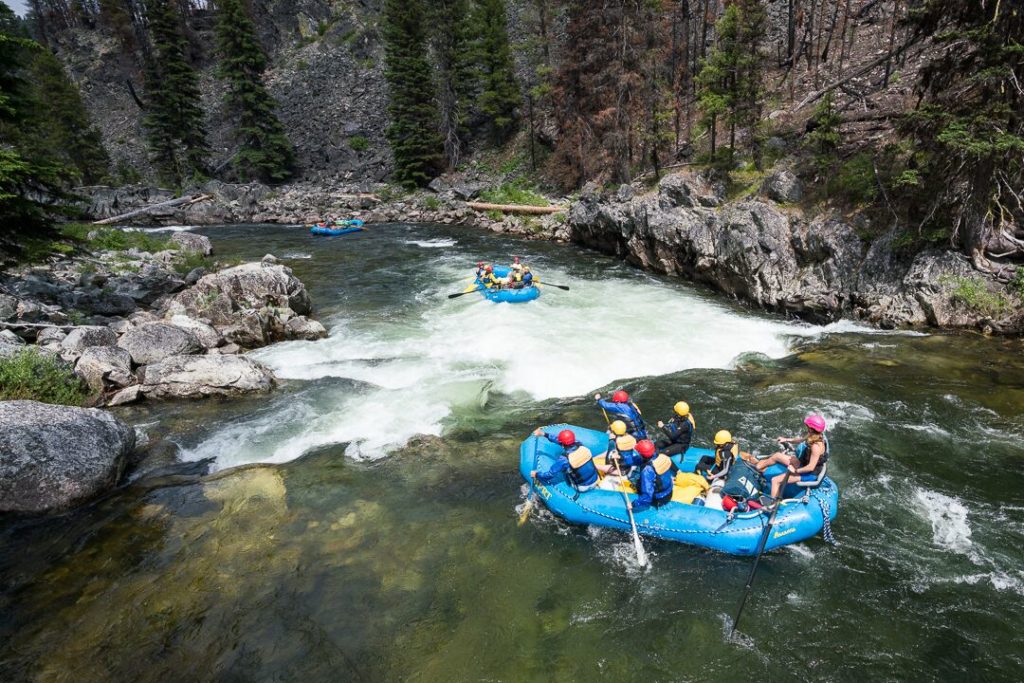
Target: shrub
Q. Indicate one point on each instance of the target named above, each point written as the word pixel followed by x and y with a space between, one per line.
pixel 973 293
pixel 359 143
pixel 1018 281
pixel 432 203
pixel 513 193
pixel 35 376
pixel 855 179
pixel 113 239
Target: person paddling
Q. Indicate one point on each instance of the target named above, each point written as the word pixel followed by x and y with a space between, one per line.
pixel 625 410
pixel 678 430
pixel 656 478
pixel 490 280
pixel 576 462
pixel 811 454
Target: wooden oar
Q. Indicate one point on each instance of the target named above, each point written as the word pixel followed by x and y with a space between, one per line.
pixel 641 556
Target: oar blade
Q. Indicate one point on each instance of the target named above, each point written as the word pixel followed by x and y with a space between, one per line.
pixel 525 514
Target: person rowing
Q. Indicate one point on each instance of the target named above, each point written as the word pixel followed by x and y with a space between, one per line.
pixel 811 454
pixel 621 407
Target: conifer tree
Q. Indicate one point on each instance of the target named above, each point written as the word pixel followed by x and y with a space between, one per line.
pixel 450 43
pixel 264 151
pixel 499 93
pixel 174 119
pixel 414 121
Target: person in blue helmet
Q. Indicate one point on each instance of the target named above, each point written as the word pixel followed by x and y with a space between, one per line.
pixel 656 478
pixel 576 462
pixel 622 408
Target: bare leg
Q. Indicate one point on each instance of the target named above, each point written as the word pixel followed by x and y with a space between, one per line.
pixel 775 458
pixel 777 484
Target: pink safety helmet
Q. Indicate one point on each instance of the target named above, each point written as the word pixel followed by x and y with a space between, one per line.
pixel 815 422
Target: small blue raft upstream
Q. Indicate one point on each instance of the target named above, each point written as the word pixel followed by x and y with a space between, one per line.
pixel 798 518
pixel 509 296
pixel 342 228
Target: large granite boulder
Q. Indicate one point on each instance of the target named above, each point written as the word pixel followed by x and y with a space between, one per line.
pixel 81 338
pixel 206 334
pixel 55 457
pixel 105 367
pixel 156 341
pixel 210 375
pixel 191 243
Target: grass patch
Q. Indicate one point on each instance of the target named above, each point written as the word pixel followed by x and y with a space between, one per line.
pixel 359 143
pixel 186 262
pixel 514 193
pixel 34 376
pixel 432 203
pixel 745 182
pixel 112 239
pixel 973 293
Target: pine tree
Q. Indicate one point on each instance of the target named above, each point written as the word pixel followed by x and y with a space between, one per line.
pixel 499 93
pixel 413 128
pixel 174 119
pixel 264 151
pixel 450 43
pixel 730 79
pixel 968 131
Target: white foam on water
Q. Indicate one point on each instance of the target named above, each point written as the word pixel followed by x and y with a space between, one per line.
pixel 1000 580
pixel 417 368
pixel 437 243
pixel 801 551
pixel 948 518
pixel 297 256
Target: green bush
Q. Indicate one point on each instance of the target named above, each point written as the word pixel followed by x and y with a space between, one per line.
pixel 359 143
pixel 34 376
pixel 1017 283
pixel 973 293
pixel 432 203
pixel 513 193
pixel 113 239
pixel 855 180
pixel 186 262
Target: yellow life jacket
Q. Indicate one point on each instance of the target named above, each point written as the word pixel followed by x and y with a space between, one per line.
pixel 662 463
pixel 625 443
pixel 580 457
pixel 733 448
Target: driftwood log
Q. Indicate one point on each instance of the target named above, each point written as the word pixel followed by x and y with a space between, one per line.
pixel 178 201
pixel 516 208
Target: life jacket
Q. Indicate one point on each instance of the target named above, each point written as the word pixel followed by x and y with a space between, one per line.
pixel 731 450
pixel 631 415
pixel 528 278
pixel 803 454
pixel 676 430
pixel 582 470
pixel 743 481
pixel 664 478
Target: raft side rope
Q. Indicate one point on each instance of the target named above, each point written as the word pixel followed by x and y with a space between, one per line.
pixel 826 524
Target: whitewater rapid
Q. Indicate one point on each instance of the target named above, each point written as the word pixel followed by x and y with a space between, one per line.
pixel 382 377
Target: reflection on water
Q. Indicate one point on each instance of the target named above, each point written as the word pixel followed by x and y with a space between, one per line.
pixel 411 566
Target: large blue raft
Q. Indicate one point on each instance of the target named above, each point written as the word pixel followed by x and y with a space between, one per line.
pixel 341 228
pixel 510 296
pixel 800 516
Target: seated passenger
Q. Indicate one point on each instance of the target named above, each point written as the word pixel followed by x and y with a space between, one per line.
pixel 480 271
pixel 656 482
pixel 678 430
pixel 624 458
pixel 622 408
pixel 726 452
pixel 810 456
pixel 527 277
pixel 576 462
pixel 489 280
pixel 515 279
pixel 516 266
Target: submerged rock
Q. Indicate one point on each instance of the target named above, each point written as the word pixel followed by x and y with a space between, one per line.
pixel 54 457
pixel 208 375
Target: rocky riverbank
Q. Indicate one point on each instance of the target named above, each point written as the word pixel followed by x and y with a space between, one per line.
pixel 762 249
pixel 133 326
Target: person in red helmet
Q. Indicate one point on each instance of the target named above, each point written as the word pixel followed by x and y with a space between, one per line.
pixel 576 462
pixel 490 280
pixel 624 409
pixel 811 454
pixel 480 270
pixel 656 477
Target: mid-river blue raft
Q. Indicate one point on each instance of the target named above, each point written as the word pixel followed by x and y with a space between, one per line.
pixel 800 516
pixel 510 296
pixel 341 228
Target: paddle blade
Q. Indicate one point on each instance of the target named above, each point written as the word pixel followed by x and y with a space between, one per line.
pixel 457 294
pixel 641 555
pixel 525 514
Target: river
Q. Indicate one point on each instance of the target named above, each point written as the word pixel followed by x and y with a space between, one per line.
pixel 359 524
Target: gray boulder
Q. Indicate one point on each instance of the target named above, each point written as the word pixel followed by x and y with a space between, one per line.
pixel 81 338
pixel 250 285
pixel 191 243
pixel 55 457
pixel 783 186
pixel 302 327
pixel 8 306
pixel 50 335
pixel 9 347
pixel 210 375
pixel 104 367
pixel 154 342
pixel 207 336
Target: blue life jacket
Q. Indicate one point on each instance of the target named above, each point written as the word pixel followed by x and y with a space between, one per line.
pixel 528 279
pixel 680 429
pixel 628 413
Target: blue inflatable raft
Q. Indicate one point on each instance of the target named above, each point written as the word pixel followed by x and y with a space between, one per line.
pixel 342 228
pixel 800 516
pixel 510 296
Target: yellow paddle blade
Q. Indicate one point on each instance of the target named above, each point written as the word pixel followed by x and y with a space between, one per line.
pixel 470 288
pixel 526 512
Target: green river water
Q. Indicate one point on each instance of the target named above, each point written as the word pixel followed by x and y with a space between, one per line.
pixel 359 524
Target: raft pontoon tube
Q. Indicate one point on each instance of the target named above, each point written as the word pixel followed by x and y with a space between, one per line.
pixel 799 518
pixel 340 228
pixel 503 295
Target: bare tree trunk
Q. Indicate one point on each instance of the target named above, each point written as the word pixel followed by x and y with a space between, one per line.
pixel 892 40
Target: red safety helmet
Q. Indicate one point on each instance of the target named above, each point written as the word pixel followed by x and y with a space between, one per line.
pixel 489 269
pixel 645 448
pixel 620 396
pixel 566 437
pixel 515 259
pixel 479 264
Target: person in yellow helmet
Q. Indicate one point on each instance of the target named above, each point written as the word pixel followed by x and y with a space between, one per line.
pixel 678 430
pixel 726 452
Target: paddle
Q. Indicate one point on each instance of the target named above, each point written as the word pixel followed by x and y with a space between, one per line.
pixel 533 492
pixel 458 294
pixel 548 284
pixel 760 548
pixel 641 556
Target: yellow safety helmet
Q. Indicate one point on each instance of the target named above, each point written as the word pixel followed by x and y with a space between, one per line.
pixel 723 437
pixel 682 409
pixel 618 427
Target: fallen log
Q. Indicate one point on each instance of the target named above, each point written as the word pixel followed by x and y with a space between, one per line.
pixel 516 208
pixel 178 201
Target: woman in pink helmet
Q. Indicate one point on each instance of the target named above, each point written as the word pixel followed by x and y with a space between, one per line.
pixel 810 456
